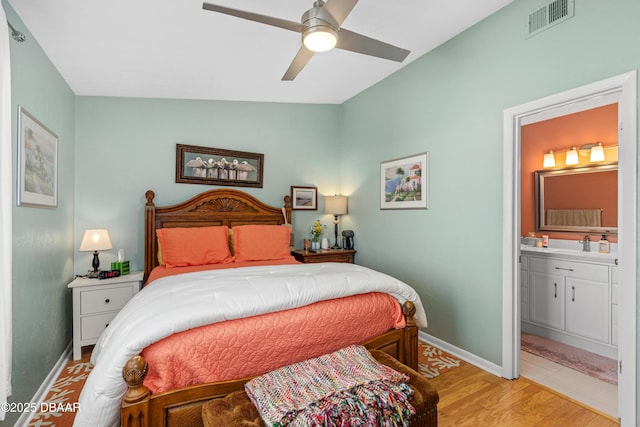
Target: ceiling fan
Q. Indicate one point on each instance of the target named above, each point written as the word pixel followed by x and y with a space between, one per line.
pixel 321 31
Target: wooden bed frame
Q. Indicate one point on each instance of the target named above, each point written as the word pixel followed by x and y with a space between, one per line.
pixel 182 407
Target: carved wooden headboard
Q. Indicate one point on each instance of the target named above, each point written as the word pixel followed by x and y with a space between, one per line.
pixel 213 207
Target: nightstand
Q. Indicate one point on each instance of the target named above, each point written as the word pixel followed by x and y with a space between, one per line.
pixel 96 302
pixel 325 255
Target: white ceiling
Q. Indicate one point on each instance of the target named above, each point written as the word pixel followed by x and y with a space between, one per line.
pixel 175 49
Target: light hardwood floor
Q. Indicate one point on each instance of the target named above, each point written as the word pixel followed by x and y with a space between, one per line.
pixel 470 396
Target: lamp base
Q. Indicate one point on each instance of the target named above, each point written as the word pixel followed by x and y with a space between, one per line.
pixel 95 264
pixel 335 229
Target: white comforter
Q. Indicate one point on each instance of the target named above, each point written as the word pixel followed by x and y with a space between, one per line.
pixel 177 303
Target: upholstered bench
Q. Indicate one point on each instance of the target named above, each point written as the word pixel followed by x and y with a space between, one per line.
pixel 236 410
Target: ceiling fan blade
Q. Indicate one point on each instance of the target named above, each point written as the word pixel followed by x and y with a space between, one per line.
pixel 276 22
pixel 354 42
pixel 302 57
pixel 340 9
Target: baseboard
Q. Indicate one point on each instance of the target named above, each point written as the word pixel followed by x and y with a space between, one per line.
pixel 46 385
pixel 471 358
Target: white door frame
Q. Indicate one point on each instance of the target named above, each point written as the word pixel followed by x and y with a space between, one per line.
pixel 626 87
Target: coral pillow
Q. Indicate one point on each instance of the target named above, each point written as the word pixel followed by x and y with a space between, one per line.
pixel 194 246
pixel 261 242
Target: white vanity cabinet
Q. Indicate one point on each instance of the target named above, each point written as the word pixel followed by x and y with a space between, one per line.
pixel 570 301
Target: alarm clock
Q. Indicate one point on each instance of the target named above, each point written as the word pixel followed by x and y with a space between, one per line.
pixel 108 274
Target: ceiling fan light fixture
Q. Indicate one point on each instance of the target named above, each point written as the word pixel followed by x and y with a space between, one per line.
pixel 320 38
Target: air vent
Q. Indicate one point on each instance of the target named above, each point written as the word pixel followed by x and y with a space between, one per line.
pixel 552 13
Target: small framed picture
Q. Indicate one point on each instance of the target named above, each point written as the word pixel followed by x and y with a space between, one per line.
pixel 404 182
pixel 304 198
pixel 37 163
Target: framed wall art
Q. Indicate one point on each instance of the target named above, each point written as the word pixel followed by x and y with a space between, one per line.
pixel 215 166
pixel 304 198
pixel 37 163
pixel 404 182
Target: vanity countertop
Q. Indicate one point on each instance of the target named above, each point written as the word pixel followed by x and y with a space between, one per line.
pixel 610 258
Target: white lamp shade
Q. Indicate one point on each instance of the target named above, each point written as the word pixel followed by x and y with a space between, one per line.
pixel 572 157
pixel 95 240
pixel 335 205
pixel 549 160
pixel 597 153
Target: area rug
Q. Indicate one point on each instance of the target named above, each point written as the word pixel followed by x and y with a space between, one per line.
pixel 60 406
pixel 433 362
pixel 583 361
pixel 59 410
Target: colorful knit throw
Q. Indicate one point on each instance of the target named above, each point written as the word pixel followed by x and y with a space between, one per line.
pixel 345 388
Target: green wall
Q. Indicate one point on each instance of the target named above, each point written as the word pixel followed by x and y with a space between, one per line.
pixel 42 238
pixel 450 103
pixel 126 146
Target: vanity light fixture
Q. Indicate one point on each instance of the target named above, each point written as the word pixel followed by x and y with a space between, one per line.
pixel 572 157
pixel 595 151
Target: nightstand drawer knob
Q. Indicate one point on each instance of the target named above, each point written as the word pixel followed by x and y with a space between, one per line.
pixel 107 301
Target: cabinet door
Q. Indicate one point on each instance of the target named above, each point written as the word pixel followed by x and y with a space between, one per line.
pixel 587 308
pixel 546 292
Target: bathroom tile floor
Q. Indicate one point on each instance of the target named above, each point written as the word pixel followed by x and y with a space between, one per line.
pixel 590 391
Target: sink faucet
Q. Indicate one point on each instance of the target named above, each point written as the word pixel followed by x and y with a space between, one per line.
pixel 585 244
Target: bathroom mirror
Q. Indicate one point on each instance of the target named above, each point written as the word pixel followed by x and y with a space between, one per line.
pixel 581 199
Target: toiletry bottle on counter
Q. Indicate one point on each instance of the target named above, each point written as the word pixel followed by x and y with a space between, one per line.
pixel 603 245
pixel 545 241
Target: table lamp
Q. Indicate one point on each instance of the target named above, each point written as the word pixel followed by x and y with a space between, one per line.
pixel 336 206
pixel 95 240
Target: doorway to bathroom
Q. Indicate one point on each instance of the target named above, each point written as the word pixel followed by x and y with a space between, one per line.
pixel 622 88
pixel 568 320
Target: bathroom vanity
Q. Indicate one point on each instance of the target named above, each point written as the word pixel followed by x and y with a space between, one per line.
pixel 571 296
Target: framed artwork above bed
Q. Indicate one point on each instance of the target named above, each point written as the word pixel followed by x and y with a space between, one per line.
pixel 216 166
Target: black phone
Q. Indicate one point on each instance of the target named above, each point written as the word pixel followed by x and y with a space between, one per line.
pixel 347 239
